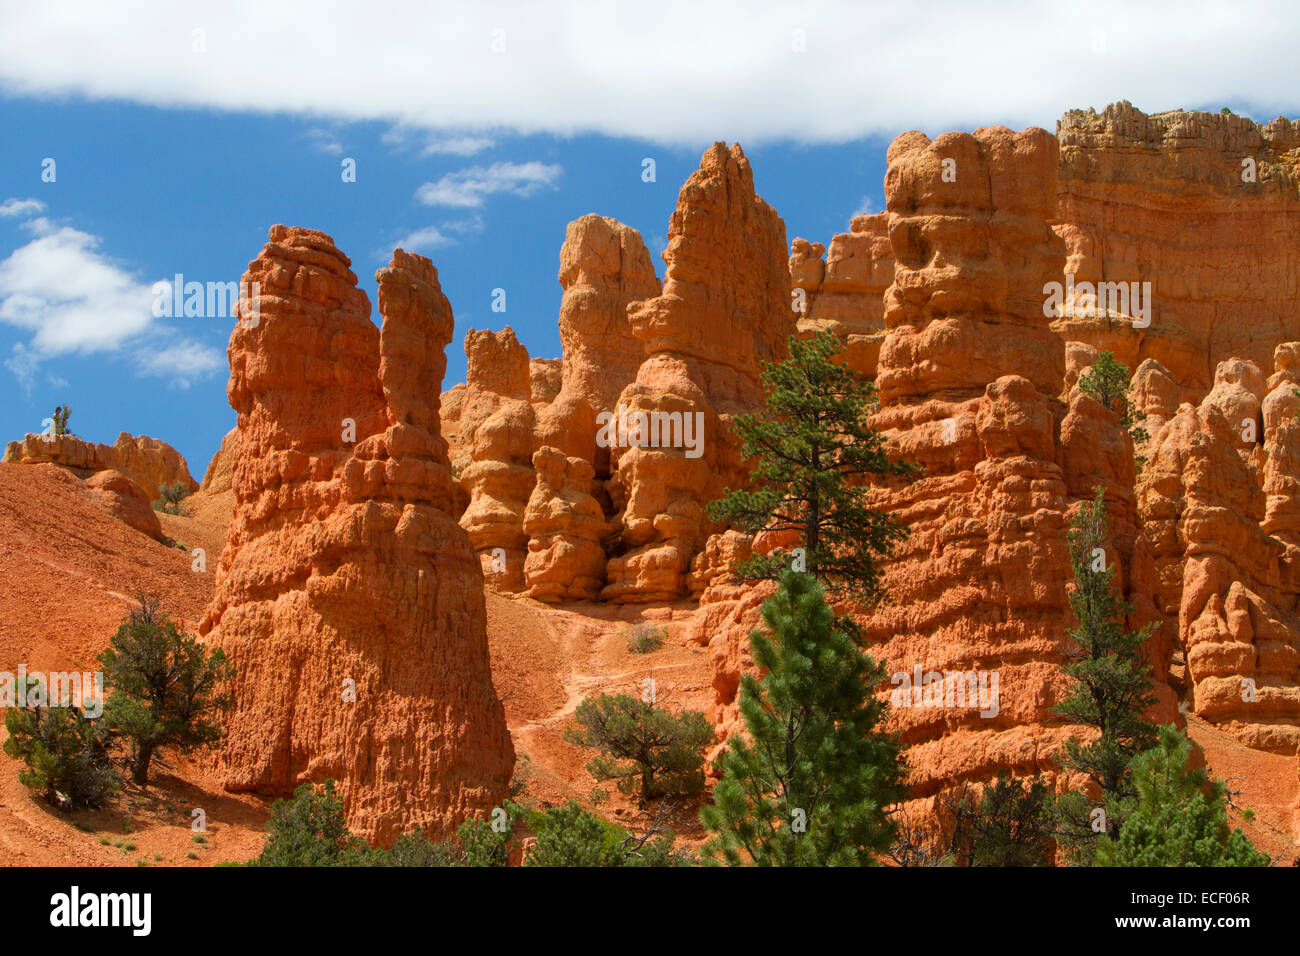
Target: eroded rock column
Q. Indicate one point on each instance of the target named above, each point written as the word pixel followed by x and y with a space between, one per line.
pixel 348 599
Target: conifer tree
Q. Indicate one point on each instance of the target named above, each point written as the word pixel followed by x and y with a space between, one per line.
pixel 1107 380
pixel 172 496
pixel 1180 817
pixel 646 749
pixel 816 456
pixel 1008 825
pixel 571 836
pixel 66 752
pixel 310 830
pixel 60 421
pixel 1112 690
pixel 165 687
pixel 809 783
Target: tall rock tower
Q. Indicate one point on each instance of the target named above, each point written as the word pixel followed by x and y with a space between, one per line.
pixel 348 599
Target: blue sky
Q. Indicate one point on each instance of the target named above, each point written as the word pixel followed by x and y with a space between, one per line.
pixel 182 131
pixel 165 191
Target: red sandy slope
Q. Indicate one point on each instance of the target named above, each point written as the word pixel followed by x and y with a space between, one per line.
pixel 67 575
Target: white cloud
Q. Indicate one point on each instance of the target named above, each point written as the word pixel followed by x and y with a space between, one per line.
pixel 445 143
pixel 21 207
pixel 70 298
pixel 469 187
pixel 422 240
pixel 683 72
pixel 457 146
pixel 865 207
pixel 325 141
pixel 464 227
pixel 23 364
pixel 183 362
pixel 435 237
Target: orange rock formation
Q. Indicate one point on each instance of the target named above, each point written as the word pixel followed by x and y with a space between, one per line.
pixel 969 373
pixel 1202 207
pixel 1217 501
pixel 347 597
pixel 496 425
pixel 725 308
pixel 125 500
pixel 844 293
pixel 148 462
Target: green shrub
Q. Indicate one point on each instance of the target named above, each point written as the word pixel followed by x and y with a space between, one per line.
pixel 65 751
pixel 173 497
pixel 165 687
pixel 1180 817
pixel 644 638
pixel 60 421
pixel 309 830
pixel 572 836
pixel 1011 824
pixel 415 849
pixel 481 844
pixel 1107 380
pixel 643 748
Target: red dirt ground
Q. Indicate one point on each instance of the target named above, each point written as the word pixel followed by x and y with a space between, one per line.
pixel 69 572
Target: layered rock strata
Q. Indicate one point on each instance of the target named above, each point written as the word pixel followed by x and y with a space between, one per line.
pixel 725 308
pixel 1196 213
pixel 844 292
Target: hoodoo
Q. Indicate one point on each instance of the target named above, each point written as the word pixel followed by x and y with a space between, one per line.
pixel 348 598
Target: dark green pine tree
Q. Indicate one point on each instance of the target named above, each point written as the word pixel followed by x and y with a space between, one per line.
pixel 1180 817
pixel 817 457
pixel 66 752
pixel 166 687
pixel 1111 691
pixel 1009 824
pixel 1107 380
pixel 649 751
pixel 809 783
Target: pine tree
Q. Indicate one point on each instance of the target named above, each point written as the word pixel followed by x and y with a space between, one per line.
pixel 1009 825
pixel 60 421
pixel 1107 380
pixel 485 845
pixel 165 687
pixel 1180 817
pixel 416 850
pixel 647 750
pixel 817 456
pixel 66 752
pixel 1111 692
pixel 809 783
